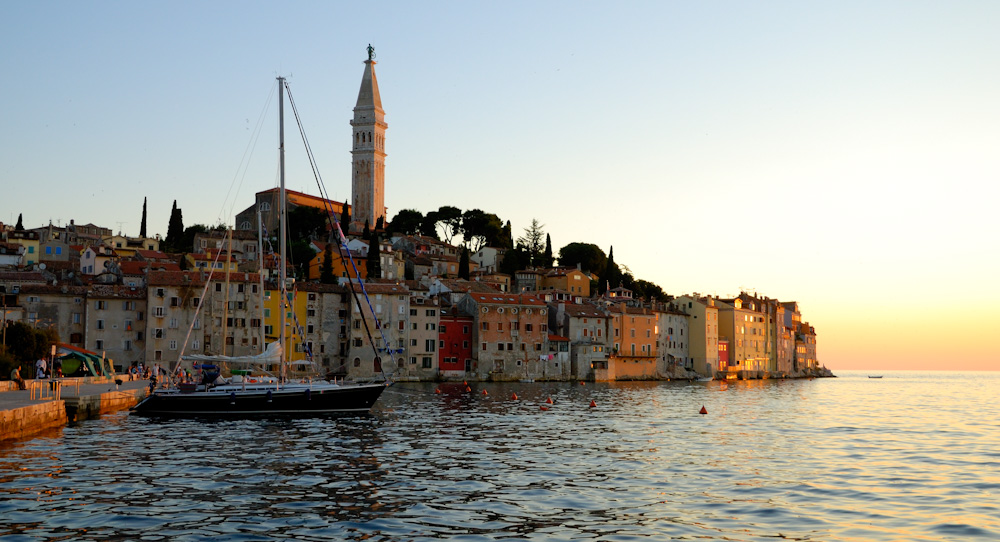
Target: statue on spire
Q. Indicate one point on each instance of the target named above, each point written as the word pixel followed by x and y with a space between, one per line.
pixel 371 52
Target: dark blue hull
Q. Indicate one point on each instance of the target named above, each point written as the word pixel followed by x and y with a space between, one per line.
pixel 284 401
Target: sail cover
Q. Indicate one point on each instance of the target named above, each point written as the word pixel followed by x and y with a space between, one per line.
pixel 270 355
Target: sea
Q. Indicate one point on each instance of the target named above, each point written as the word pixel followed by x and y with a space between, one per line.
pixel 908 456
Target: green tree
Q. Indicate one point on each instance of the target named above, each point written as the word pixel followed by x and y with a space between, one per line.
pixel 590 257
pixel 481 229
pixel 547 258
pixel 326 274
pixel 428 227
pixel 367 231
pixel 406 222
pixel 380 224
pixel 175 229
pixel 374 260
pixel 345 219
pixel 532 241
pixel 463 265
pixel 612 276
pixel 25 343
pixel 307 223
pixel 142 225
pixel 300 254
pixel 449 222
pixel 514 260
pixel 185 242
pixel 20 223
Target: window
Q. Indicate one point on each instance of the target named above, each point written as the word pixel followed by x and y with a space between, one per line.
pixel 443 329
pixel 427 362
pixel 100 324
pixel 429 345
pixel 528 327
pixel 429 326
pixel 77 317
pixel 486 326
pixel 431 312
pixel 101 305
pixel 465 344
pixel 175 302
pixel 158 333
pixel 173 345
pixel 465 330
pixel 158 312
pixel 99 345
pixel 173 323
pixel 499 347
pixel 357 362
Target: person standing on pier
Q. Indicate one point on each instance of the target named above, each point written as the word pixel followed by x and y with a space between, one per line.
pixel 40 366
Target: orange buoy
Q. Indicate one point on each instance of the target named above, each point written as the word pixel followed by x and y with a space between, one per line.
pixel 437 390
pixel 593 403
pixel 703 411
pixel 485 392
pixel 581 382
pixel 465 383
pixel 549 400
pixel 513 397
pixel 467 388
pixel 544 408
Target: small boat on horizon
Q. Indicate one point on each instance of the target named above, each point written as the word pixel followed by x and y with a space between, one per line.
pixel 874 376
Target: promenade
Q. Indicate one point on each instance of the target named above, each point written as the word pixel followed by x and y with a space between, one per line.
pixel 43 406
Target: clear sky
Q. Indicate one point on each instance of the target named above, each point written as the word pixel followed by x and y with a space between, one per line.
pixel 845 155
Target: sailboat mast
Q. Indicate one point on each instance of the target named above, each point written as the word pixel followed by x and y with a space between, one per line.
pixel 283 214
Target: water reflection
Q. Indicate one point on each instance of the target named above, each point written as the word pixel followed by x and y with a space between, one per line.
pixel 817 460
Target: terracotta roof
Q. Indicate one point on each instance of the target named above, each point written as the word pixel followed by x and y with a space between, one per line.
pixel 196 278
pixel 558 338
pixel 500 298
pixel 53 289
pixel 23 276
pixel 319 287
pixel 584 311
pixel 114 290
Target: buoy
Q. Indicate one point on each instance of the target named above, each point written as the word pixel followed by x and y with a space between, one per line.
pixel 513 397
pixel 581 382
pixel 593 403
pixel 437 390
pixel 544 408
pixel 485 392
pixel 464 383
pixel 549 400
pixel 467 388
pixel 703 411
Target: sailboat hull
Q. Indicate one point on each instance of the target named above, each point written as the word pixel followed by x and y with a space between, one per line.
pixel 228 401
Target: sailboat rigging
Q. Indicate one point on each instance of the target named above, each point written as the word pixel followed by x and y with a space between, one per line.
pixel 242 394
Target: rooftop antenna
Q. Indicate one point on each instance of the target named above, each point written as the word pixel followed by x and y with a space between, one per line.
pixel 120 224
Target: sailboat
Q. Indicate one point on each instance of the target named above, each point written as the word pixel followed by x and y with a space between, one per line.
pixel 247 395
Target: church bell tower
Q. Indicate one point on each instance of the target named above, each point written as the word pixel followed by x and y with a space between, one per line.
pixel 368 152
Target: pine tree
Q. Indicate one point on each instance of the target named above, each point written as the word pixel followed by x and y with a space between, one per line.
pixel 326 274
pixel 20 224
pixel 380 224
pixel 142 226
pixel 463 265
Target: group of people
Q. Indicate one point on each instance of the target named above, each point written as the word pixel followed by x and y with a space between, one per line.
pixel 41 372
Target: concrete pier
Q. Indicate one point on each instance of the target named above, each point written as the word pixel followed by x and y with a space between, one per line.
pixel 45 405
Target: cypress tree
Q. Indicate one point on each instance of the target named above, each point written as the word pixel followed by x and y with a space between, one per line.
pixel 142 226
pixel 20 224
pixel 345 219
pixel 175 230
pixel 367 231
pixel 326 274
pixel 463 264
pixel 547 254
pixel 374 262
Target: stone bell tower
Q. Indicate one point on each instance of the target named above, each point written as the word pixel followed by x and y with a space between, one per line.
pixel 368 152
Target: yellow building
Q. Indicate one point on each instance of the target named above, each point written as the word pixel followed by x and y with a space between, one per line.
pixel 28 240
pixel 295 318
pixel 746 328
pixel 634 332
pixel 569 279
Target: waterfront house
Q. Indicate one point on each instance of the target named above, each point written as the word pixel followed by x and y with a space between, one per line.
pixel 456 343
pixel 511 332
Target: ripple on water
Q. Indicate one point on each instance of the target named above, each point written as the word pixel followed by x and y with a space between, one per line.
pixel 820 460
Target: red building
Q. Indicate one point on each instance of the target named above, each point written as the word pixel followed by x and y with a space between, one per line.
pixel 723 354
pixel 455 348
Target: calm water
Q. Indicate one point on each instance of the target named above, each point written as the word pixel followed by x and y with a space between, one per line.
pixel 912 456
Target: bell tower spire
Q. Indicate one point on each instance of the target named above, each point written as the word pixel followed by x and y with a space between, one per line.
pixel 368 152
